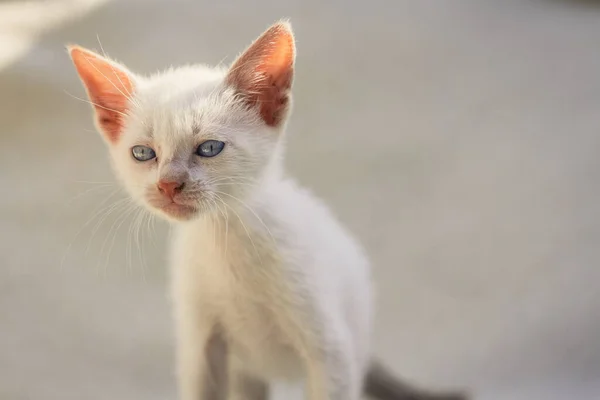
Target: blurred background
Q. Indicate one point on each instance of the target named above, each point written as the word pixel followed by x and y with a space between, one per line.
pixel 459 140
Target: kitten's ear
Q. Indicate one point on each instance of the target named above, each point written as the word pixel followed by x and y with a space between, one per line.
pixel 263 73
pixel 109 87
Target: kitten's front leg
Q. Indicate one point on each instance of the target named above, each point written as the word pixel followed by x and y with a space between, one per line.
pixel 333 377
pixel 332 372
pixel 202 358
pixel 246 387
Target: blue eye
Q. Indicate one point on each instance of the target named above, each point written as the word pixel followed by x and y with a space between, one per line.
pixel 210 148
pixel 143 153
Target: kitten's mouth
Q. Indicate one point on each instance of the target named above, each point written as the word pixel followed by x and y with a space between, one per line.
pixel 178 211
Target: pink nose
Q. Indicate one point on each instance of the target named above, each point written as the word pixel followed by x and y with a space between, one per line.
pixel 169 188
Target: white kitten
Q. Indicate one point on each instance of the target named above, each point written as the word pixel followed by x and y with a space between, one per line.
pixel 267 283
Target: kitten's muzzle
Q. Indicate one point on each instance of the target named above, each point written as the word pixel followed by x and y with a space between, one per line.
pixel 170 188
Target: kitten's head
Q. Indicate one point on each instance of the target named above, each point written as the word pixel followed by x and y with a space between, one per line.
pixel 187 140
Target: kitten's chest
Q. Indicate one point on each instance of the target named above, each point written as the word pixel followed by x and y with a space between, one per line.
pixel 250 309
pixel 241 286
pixel 244 294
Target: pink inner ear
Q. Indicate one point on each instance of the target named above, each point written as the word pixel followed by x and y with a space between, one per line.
pixel 264 73
pixel 109 88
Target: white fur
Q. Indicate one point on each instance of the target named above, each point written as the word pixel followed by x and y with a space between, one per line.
pixel 263 265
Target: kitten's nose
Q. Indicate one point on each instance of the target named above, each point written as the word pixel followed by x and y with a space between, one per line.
pixel 170 188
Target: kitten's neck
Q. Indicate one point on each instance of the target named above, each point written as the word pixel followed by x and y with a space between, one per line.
pixel 238 231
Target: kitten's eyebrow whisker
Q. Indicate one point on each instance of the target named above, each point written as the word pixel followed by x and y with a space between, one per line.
pixel 97 105
pixel 130 98
pixel 221 62
pixel 100 44
pixel 105 77
pixel 111 82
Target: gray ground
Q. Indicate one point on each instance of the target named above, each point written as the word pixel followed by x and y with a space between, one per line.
pixel 458 139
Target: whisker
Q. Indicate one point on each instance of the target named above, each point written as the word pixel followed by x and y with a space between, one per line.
pixel 252 211
pixel 213 220
pixel 96 212
pixel 105 77
pixel 243 225
pixel 94 182
pixel 122 217
pixel 107 211
pixel 130 98
pixel 96 104
pixel 153 223
pixel 103 186
pixel 128 250
pixel 237 178
pixel 226 218
pixel 139 243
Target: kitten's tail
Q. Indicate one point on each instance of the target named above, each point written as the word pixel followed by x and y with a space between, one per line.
pixel 381 384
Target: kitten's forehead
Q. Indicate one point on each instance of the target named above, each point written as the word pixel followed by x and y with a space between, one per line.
pixel 180 101
pixel 179 88
pixel 180 83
